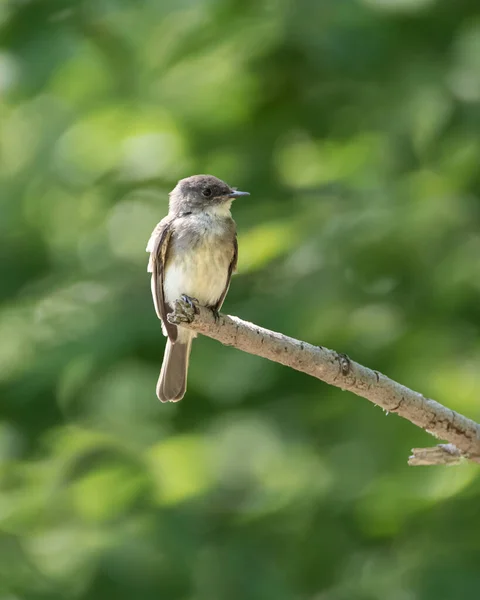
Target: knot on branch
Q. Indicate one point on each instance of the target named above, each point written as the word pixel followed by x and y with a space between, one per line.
pixel 344 363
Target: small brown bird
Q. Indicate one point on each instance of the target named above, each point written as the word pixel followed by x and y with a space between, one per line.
pixel 193 253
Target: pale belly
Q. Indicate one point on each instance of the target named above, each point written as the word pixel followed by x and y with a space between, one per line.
pixel 203 275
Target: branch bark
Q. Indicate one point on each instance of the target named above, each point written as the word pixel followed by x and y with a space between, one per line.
pixel 337 369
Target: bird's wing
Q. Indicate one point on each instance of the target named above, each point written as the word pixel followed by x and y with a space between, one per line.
pixel 158 245
pixel 231 269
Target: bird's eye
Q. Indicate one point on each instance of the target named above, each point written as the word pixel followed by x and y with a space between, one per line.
pixel 207 192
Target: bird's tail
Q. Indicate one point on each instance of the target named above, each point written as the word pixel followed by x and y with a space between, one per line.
pixel 172 382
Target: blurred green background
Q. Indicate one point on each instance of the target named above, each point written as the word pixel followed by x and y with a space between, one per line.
pixel 355 125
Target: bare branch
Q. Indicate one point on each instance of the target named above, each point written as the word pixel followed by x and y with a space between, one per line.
pixel 338 370
pixel 443 454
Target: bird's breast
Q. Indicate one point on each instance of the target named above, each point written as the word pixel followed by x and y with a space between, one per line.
pixel 198 263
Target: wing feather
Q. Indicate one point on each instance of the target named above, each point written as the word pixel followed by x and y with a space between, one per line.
pixel 231 269
pixel 158 246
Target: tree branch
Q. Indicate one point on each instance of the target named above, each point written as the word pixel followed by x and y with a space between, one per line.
pixel 443 454
pixel 337 369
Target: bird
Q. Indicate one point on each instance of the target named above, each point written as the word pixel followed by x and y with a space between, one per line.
pixel 193 254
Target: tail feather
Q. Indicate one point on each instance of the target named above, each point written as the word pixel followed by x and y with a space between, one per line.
pixel 172 382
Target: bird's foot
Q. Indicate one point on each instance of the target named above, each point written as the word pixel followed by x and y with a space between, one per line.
pixel 191 302
pixel 216 315
pixel 184 310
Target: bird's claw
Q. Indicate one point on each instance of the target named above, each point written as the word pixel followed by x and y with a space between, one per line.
pixel 184 311
pixel 216 315
pixel 191 302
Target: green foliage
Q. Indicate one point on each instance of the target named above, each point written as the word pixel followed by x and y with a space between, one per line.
pixel 355 125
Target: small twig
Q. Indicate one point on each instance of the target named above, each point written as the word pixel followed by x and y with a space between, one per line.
pixel 337 369
pixel 443 454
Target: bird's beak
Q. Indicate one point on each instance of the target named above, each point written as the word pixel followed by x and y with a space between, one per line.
pixel 237 194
